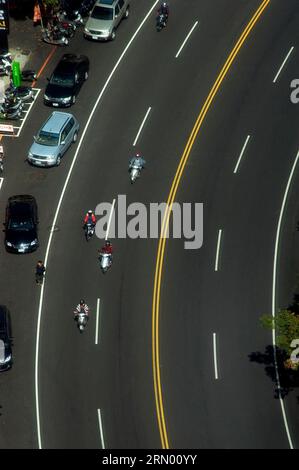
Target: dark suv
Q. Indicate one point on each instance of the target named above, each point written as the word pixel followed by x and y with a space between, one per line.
pixel 5 340
pixel 21 224
pixel 66 80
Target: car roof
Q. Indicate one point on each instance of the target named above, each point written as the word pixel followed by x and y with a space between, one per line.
pixel 107 3
pixel 56 121
pixel 69 62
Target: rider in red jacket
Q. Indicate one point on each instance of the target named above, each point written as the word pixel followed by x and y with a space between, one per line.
pixel 90 218
pixel 107 248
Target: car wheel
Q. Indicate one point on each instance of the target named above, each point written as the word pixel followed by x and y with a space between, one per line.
pixel 127 13
pixel 75 137
pixel 58 160
pixel 113 34
pixel 86 75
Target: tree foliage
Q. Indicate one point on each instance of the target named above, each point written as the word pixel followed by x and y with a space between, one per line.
pixel 286 325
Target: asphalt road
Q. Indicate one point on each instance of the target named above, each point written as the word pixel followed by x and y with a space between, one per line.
pixel 78 377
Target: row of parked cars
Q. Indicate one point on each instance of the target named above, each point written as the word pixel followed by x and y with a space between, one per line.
pixel 51 142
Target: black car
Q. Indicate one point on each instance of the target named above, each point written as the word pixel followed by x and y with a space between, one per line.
pixel 5 340
pixel 66 80
pixel 21 224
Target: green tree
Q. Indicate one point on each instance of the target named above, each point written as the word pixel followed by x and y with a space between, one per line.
pixel 286 324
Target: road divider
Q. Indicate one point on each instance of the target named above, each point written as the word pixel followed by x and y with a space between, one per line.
pixel 101 429
pixel 141 127
pixel 241 154
pixel 283 64
pixel 187 37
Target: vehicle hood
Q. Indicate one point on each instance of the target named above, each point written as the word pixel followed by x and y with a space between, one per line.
pixel 58 91
pixel 98 25
pixel 43 150
pixel 17 237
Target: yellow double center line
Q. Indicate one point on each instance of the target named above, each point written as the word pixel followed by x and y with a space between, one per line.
pixel 165 223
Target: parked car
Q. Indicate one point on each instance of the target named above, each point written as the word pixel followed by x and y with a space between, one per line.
pixel 21 224
pixel 5 340
pixel 66 80
pixel 53 139
pixel 105 18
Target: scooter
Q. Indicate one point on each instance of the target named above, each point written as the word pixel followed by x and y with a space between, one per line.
pixel 81 318
pixel 25 93
pixel 52 36
pixel 105 262
pixel 11 115
pixel 72 16
pixel 11 105
pixel 134 173
pixel 1 159
pixel 89 231
pixel 161 21
pixel 5 64
pixel 67 28
pixel 28 75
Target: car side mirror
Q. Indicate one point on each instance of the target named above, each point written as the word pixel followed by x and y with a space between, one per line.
pixel 62 142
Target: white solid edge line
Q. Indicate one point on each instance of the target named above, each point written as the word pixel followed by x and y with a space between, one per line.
pixel 274 297
pixel 101 429
pixel 215 356
pixel 241 154
pixel 218 249
pixel 187 37
pixel 97 321
pixel 283 64
pixel 1 182
pixel 58 208
pixel 109 221
pixel 26 115
pixel 142 124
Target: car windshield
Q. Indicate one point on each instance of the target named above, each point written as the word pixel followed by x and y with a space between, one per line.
pixel 102 13
pixel 21 224
pixel 63 80
pixel 47 138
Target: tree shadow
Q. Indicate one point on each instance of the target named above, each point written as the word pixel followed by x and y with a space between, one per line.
pixel 289 379
pixel 294 307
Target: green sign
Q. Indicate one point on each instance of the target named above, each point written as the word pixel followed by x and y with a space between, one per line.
pixel 16 73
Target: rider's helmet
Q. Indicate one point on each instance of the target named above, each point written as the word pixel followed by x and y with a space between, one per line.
pixel 82 302
pixel 90 211
pixel 164 4
pixel 108 243
pixel 137 155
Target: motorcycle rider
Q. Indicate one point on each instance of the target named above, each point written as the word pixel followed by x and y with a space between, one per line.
pixel 164 10
pixel 39 272
pixel 137 161
pixel 1 158
pixel 82 307
pixel 89 219
pixel 107 249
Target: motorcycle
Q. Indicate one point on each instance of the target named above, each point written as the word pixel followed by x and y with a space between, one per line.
pixel 53 36
pixel 89 231
pixel 72 16
pixel 5 64
pixel 12 115
pixel 161 21
pixel 67 28
pixel 39 279
pixel 23 92
pixel 81 318
pixel 134 173
pixel 28 75
pixel 11 106
pixel 105 262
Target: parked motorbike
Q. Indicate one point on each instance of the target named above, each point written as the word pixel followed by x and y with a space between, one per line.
pixel 54 36
pixel 161 21
pixel 67 28
pixel 11 114
pixel 81 318
pixel 11 104
pixel 105 262
pixel 5 64
pixel 89 231
pixel 72 16
pixel 25 93
pixel 28 75
pixel 134 173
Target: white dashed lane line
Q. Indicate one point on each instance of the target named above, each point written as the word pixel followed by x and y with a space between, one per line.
pixel 141 127
pixel 283 64
pixel 186 39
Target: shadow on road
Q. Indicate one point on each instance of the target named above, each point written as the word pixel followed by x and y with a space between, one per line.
pixel 289 379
